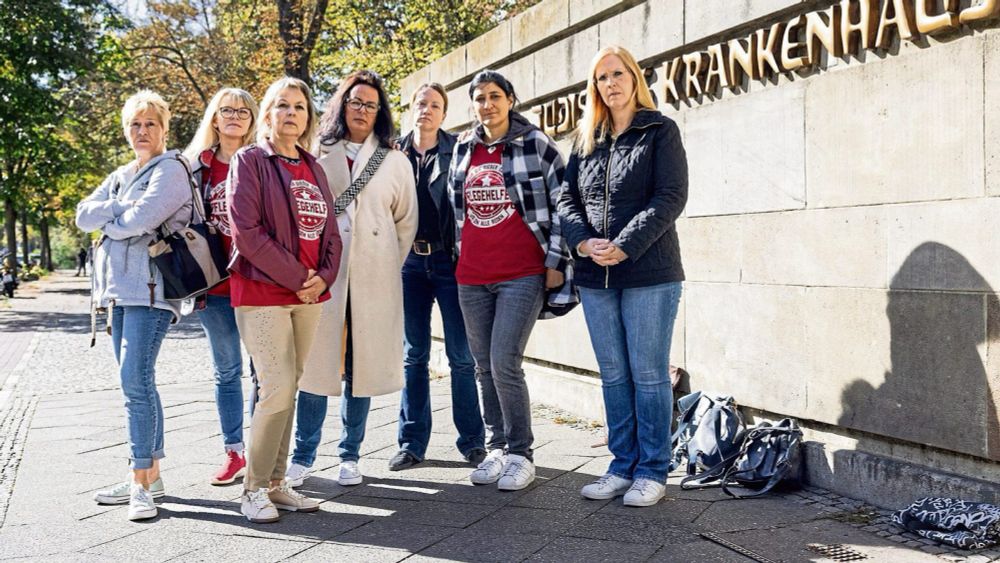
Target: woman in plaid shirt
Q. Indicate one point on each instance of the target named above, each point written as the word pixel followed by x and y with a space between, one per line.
pixel 513 265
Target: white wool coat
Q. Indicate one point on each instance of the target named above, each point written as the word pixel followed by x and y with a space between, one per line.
pixel 377 232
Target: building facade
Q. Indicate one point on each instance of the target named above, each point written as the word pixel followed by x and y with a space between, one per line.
pixel 838 239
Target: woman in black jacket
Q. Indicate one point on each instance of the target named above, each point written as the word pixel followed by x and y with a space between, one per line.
pixel 625 186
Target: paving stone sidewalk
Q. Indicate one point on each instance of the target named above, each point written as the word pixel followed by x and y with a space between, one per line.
pixel 62 437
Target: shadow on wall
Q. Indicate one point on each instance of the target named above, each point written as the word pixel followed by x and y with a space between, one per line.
pixel 937 391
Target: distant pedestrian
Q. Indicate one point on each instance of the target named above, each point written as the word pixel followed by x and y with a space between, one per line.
pixel 626 185
pixel 81 262
pixel 151 192
pixel 287 256
pixel 9 282
pixel 229 124
pixel 513 265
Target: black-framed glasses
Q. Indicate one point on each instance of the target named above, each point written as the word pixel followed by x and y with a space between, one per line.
pixel 357 105
pixel 229 113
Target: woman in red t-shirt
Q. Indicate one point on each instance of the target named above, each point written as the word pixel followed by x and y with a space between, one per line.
pixel 287 253
pixel 504 181
pixel 229 124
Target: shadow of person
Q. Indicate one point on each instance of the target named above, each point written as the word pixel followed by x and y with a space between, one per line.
pixel 937 392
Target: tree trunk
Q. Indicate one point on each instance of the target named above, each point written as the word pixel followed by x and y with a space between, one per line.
pixel 43 231
pixel 299 37
pixel 10 220
pixel 25 249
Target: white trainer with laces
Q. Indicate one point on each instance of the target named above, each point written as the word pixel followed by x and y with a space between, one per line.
pixel 607 486
pixel 296 474
pixel 517 474
pixel 257 507
pixel 489 469
pixel 350 474
pixel 286 498
pixel 140 503
pixel 644 492
pixel 121 493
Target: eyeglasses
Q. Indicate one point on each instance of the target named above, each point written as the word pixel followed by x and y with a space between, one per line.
pixel 356 105
pixel 229 113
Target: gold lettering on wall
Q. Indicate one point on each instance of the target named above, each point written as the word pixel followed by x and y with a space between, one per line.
pixel 984 10
pixel 845 28
pixel 932 23
pixel 717 77
pixel 858 22
pixel 767 48
pixel 898 14
pixel 742 60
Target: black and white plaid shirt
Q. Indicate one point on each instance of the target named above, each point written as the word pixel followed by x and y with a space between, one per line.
pixel 533 173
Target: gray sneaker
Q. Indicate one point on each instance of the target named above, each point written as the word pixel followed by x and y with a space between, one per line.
pixel 122 492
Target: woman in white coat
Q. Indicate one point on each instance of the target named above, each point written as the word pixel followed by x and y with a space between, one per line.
pixel 364 349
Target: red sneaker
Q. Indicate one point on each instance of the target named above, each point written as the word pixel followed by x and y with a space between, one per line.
pixel 234 467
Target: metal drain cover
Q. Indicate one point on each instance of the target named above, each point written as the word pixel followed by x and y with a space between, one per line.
pixel 837 552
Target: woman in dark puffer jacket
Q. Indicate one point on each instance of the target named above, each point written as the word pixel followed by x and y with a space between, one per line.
pixel 625 186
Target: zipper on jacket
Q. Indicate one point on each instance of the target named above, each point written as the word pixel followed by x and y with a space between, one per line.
pixel 607 196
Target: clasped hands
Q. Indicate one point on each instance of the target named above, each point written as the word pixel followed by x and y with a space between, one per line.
pixel 603 252
pixel 312 289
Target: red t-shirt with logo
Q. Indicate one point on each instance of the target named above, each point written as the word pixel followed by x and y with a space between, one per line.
pixel 311 212
pixel 497 245
pixel 218 212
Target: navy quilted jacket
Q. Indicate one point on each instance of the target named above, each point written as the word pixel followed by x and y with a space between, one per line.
pixel 630 190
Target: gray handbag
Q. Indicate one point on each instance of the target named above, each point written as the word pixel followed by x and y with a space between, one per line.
pixel 710 431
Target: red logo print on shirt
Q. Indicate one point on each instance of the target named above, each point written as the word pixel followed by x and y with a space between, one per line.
pixel 219 212
pixel 486 196
pixel 311 207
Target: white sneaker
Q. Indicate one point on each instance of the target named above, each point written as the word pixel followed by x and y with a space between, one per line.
pixel 140 503
pixel 518 473
pixel 350 473
pixel 489 470
pixel 286 498
pixel 644 492
pixel 257 507
pixel 121 493
pixel 608 486
pixel 296 474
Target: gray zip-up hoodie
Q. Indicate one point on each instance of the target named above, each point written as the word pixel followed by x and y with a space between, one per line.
pixel 128 207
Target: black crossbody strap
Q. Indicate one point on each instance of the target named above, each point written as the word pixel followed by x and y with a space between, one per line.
pixel 345 199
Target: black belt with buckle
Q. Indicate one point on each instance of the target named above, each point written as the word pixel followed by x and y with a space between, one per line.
pixel 425 248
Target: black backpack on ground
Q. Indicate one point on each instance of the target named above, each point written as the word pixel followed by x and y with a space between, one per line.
pixel 770 455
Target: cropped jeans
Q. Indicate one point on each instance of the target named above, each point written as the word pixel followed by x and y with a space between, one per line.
pixel 137 332
pixel 218 319
pixel 630 330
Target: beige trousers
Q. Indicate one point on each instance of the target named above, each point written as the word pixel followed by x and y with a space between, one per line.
pixel 278 339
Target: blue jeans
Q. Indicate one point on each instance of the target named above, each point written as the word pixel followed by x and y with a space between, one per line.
pixel 311 412
pixel 630 330
pixel 498 320
pixel 136 336
pixel 426 278
pixel 218 319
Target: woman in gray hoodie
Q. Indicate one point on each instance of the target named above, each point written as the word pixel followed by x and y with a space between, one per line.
pixel 131 204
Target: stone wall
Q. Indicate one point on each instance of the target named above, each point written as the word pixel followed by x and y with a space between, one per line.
pixel 838 239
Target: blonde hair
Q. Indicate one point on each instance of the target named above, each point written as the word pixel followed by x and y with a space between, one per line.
pixel 207 135
pixel 596 121
pixel 264 129
pixel 142 101
pixel 437 87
